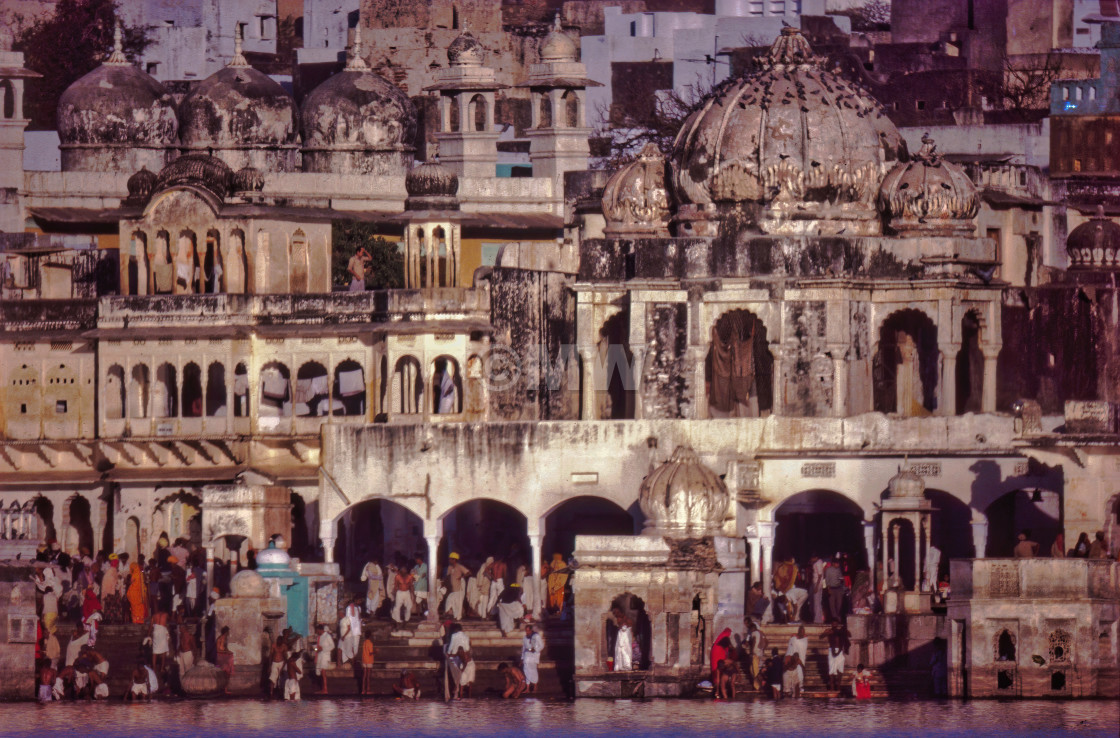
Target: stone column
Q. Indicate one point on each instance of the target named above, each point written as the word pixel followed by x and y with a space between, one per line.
pixel 869 546
pixel 946 394
pixel 327 532
pixel 980 537
pixel 433 578
pixel 916 522
pixel 840 384
pixel 988 398
pixel 896 530
pixel 777 380
pixel 755 544
pixel 767 531
pixel 886 552
pixel 638 351
pixel 587 399
pixel 533 579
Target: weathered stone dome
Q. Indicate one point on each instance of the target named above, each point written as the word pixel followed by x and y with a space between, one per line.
pixel 807 149
pixel 360 113
pixel 1095 244
pixel 248 583
pixel 196 170
pixel 635 201
pixel 465 51
pixel 115 106
pixel 431 186
pixel 906 484
pixel 683 498
pixel 558 46
pixel 929 196
pixel 141 184
pixel 248 179
pixel 239 109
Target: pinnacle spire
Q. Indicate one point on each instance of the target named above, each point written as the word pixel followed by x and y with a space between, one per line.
pixel 354 58
pixel 238 59
pixel 117 57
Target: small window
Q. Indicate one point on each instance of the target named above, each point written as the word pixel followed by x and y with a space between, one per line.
pixel 1022 179
pixel 152 68
pixel 1077 165
pixel 920 104
pixel 60 407
pixel 23 409
pixel 1082 31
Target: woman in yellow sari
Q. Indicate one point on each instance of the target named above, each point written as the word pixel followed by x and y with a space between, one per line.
pixel 137 594
pixel 557 579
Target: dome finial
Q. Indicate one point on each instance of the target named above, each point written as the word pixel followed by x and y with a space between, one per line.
pixel 238 59
pixel 556 22
pixel 117 57
pixel 354 58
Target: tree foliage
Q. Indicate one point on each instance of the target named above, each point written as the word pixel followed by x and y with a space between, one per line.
pixel 386 265
pixel 67 45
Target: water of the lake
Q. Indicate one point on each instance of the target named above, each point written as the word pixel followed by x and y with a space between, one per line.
pixel 582 718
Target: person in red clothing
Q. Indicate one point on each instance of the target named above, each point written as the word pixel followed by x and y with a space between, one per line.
pixel 721 651
pixel 861 683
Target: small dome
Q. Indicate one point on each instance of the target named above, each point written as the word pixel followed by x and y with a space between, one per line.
pixel 682 498
pixel 929 196
pixel 431 186
pixel 248 179
pixel 140 185
pixel 273 558
pixel 117 105
pixel 247 583
pixel 558 46
pixel 906 484
pixel 1095 244
pixel 465 51
pixel 635 200
pixel 197 170
pixel 238 107
pixel 807 146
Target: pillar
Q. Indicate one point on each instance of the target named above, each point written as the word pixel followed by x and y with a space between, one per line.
pixel 840 386
pixel 946 394
pixel 778 381
pixel 897 578
pixel 755 545
pixel 534 578
pixel 587 398
pixel 638 351
pixel 988 398
pixel 433 578
pixel 327 533
pixel 767 532
pixel 917 553
pixel 980 536
pixel 869 546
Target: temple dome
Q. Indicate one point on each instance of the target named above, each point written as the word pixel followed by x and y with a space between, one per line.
pixel 558 46
pixel 906 485
pixel 683 498
pixel 805 146
pixel 929 196
pixel 248 583
pixel 140 185
pixel 635 201
pixel 247 179
pixel 196 170
pixel 237 109
pixel 1094 244
pixel 465 51
pixel 116 105
pixel 431 186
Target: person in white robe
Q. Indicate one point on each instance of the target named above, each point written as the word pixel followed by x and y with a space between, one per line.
pixel 624 648
pixel 375 587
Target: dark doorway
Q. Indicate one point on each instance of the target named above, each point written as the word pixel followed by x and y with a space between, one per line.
pixel 583 516
pixel 819 523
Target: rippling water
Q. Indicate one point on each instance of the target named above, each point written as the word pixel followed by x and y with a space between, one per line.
pixel 583 718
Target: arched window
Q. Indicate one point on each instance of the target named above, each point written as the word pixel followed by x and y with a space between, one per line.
pixel 165 394
pixel 447 386
pixel 544 105
pixel 139 384
pixel 192 391
pixel 408 387
pixel 114 393
pixel 570 102
pixel 276 393
pixel 212 269
pixel 138 264
pixel 240 392
pixel 478 113
pixel 187 272
pixel 739 368
pixel 8 99
pixel 454 115
pixel 235 265
pixel 163 271
pixel 215 391
pixel 970 367
pixel 904 368
pixel 312 396
pixel 349 389
pixel 439 249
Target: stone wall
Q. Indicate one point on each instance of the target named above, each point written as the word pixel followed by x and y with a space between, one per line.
pixel 17 633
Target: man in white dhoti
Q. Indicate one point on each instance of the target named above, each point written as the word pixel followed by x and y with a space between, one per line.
pixel 532 646
pixel 510 609
pixel 403 602
pixel 375 586
pixel 350 633
pixel 478 588
pixel 456 586
pixel 838 644
pixel 624 648
pixel 496 572
pixel 324 650
pixel 933 564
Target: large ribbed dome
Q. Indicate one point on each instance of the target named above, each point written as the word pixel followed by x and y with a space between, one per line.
pixel 116 105
pixel 1095 244
pixel 238 108
pixel 792 138
pixel 683 498
pixel 359 112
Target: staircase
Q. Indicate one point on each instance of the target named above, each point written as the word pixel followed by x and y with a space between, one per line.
pixel 816 666
pixel 417 647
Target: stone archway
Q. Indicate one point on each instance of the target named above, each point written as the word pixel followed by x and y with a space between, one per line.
pixel 377 530
pixel 819 522
pixel 584 515
pixel 1036 511
pixel 480 528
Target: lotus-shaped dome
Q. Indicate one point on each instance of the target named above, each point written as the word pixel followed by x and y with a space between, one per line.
pixel 465 51
pixel 682 498
pixel 431 186
pixel 196 170
pixel 116 105
pixel 805 145
pixel 906 485
pixel 558 46
pixel 140 185
pixel 1095 244
pixel 635 201
pixel 239 109
pixel 929 196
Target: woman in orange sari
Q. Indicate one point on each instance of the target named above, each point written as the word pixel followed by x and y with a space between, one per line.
pixel 557 579
pixel 137 594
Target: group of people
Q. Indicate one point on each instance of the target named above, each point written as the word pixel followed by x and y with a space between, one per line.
pixel 780 674
pixel 79 593
pixel 500 587
pixel 1097 548
pixel 825 591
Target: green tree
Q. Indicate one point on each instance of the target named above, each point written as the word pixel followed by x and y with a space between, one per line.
pixel 67 45
pixel 386 265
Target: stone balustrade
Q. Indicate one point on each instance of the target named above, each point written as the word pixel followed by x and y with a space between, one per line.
pixel 1035 579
